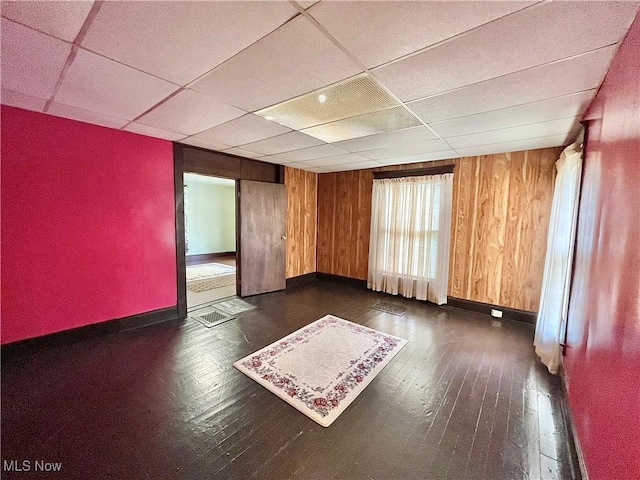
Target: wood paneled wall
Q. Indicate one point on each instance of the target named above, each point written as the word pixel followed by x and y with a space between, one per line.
pixel 501 209
pixel 302 207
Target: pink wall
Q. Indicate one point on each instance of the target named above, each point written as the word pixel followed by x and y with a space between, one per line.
pixel 88 224
pixel 603 358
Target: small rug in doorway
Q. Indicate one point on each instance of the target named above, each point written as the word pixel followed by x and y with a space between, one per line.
pixel 389 308
pixel 321 368
pixel 208 276
pixel 215 313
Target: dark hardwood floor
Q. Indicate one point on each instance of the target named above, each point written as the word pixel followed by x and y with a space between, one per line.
pixel 465 398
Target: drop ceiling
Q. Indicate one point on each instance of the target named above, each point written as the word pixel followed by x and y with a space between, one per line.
pixel 323 86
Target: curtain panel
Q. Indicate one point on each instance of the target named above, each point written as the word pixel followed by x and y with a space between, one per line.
pixel 410 236
pixel 554 297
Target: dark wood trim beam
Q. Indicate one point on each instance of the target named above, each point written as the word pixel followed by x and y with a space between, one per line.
pixel 208 257
pixel 32 346
pixel 507 313
pixel 354 282
pixel 417 172
pixel 181 274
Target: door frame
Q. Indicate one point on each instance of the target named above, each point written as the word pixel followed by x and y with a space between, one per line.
pixel 189 159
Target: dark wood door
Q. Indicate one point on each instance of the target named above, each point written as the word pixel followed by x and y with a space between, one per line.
pixel 262 239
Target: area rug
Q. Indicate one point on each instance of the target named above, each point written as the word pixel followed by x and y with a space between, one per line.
pixel 209 276
pixel 321 368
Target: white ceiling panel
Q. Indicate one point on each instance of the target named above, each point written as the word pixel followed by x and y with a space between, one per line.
pixel 180 41
pixel 572 105
pixel 352 166
pixel 282 143
pixel 246 129
pixel 197 142
pixel 512 134
pixel 386 30
pixel 336 160
pixel 311 153
pixel 190 112
pixel 19 100
pixel 573 75
pixel 62 19
pixel 242 152
pixel 531 144
pixel 295 59
pixel 103 86
pixel 531 37
pixel 423 157
pixel 153 132
pixel 31 61
pixel 86 116
pixel 389 139
pixel 414 149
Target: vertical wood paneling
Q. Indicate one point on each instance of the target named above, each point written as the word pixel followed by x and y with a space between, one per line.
pixel 301 221
pixel 501 208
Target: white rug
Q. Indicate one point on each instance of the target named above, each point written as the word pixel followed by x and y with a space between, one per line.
pixel 321 368
pixel 209 276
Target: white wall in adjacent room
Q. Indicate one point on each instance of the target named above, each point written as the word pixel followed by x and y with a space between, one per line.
pixel 210 212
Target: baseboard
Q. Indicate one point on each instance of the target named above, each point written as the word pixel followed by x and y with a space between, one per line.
pixel 301 280
pixel 523 316
pixel 36 345
pixel 578 465
pixel 353 282
pixel 207 257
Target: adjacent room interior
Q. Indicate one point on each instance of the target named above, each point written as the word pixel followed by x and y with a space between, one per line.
pixel 320 239
pixel 210 238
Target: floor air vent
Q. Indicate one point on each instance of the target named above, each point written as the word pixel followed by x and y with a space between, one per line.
pixel 389 308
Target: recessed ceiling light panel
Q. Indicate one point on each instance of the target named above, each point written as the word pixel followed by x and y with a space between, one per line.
pixel 344 99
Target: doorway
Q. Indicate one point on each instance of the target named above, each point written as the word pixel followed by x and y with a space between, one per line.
pixel 210 238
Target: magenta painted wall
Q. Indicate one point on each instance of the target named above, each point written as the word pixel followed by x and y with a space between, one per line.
pixel 603 358
pixel 88 224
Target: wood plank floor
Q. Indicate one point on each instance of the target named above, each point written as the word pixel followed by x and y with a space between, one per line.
pixel 465 398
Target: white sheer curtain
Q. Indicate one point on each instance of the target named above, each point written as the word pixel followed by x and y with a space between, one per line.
pixel 410 236
pixel 554 298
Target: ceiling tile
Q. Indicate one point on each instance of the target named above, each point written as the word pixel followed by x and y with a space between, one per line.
pixel 74 113
pixel 388 30
pixel 389 139
pixel 572 105
pixel 344 99
pixel 282 143
pixel 19 100
pixel 307 3
pixel 336 160
pixel 523 132
pixel 395 118
pixel 103 86
pixel 180 41
pixel 531 37
pixel 295 59
pixel 243 153
pixel 197 142
pixel 62 19
pixel 190 112
pixel 401 151
pixel 153 132
pixel 311 153
pixel 573 75
pixel 31 61
pixel 424 157
pixel 352 166
pixel 517 146
pixel 246 129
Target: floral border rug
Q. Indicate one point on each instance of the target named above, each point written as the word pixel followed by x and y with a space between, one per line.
pixel 209 276
pixel 321 368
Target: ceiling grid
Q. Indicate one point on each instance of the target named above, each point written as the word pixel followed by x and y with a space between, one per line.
pixel 319 85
